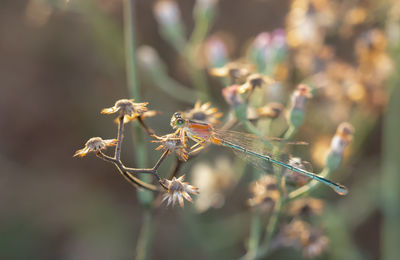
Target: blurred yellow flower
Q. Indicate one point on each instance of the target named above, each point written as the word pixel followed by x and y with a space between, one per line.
pixel 203 112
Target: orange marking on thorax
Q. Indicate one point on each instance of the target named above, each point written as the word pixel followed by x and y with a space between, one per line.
pixel 203 131
pixel 216 140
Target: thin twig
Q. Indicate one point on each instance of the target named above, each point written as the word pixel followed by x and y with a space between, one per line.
pixel 119 137
pixel 127 175
pixel 148 130
pixel 176 168
pixel 158 163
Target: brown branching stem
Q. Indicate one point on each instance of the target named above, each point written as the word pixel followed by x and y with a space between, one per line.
pixel 127 172
pixel 148 130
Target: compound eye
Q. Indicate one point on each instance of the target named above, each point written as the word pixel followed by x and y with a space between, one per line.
pixel 180 121
pixel 177 115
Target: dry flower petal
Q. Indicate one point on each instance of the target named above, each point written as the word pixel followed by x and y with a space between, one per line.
pixel 95 144
pixel 177 190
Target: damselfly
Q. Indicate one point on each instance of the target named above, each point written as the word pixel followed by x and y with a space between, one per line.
pixel 252 146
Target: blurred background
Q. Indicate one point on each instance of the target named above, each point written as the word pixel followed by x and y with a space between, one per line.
pixel 61 62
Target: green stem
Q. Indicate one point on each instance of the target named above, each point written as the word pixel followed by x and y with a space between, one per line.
pixel 273 223
pixel 172 87
pixel 308 187
pixel 130 48
pixel 274 220
pixel 255 235
pixel 390 203
pixel 145 197
pixel 290 132
pixel 145 236
pixel 199 80
pixel 197 76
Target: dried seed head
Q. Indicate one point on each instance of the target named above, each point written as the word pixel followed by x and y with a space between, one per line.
pixel 315 243
pixel 296 229
pixel 126 107
pixel 167 12
pixel 233 70
pixel 343 136
pixel 149 113
pixel 295 178
pixel 95 144
pixel 300 96
pixel 148 57
pixel 203 112
pixel 265 193
pixel 271 110
pixel 214 181
pixel 177 191
pixel 232 96
pixel 255 80
pixel 173 144
pixel 216 51
pixel 339 142
pixel 298 107
pixel 262 41
pixel 300 234
pixel 305 207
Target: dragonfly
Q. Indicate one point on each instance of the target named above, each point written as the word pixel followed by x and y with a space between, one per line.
pixel 253 147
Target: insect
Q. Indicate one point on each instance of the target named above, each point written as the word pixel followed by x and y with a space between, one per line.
pixel 253 147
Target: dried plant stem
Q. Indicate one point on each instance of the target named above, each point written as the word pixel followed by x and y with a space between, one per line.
pixel 176 168
pixel 119 138
pixel 148 130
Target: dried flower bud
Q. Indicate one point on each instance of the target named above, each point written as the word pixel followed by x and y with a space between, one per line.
pixel 148 56
pixel 262 41
pixel 232 96
pixel 173 144
pixel 95 144
pixel 314 244
pixel 295 178
pixel 126 107
pixel 305 207
pixel 278 39
pixel 233 70
pixel 300 234
pixel 167 13
pixel 271 110
pixel 204 113
pixel 343 136
pixel 149 113
pixel 255 80
pixel 264 193
pixel 169 19
pixel 268 50
pixel 298 106
pixel 216 52
pixel 214 181
pixel 177 190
